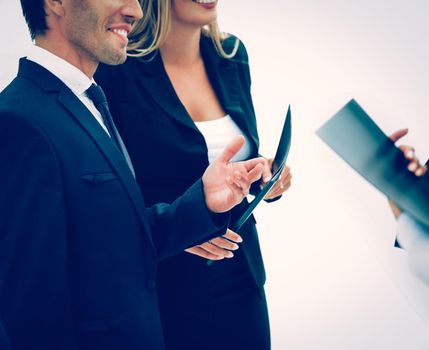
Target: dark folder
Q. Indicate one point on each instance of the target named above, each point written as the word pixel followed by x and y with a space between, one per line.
pixel 279 163
pixel 355 137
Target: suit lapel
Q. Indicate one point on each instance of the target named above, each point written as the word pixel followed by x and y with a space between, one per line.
pixel 90 125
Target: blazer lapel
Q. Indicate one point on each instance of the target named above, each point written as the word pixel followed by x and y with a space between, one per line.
pixel 225 79
pixel 223 75
pixel 90 125
pixel 155 81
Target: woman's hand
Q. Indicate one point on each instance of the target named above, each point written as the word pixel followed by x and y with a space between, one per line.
pixel 414 164
pixel 283 183
pixel 218 248
pixel 395 209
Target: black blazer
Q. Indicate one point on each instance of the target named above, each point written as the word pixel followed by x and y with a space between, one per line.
pixel 77 246
pixel 149 115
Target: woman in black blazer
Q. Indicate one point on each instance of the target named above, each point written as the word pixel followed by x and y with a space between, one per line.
pixel 186 73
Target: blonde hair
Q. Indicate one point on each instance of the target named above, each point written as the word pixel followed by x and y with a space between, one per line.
pixel 151 31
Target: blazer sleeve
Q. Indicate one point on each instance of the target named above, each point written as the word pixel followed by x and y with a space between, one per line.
pixel 4 341
pixel 33 269
pixel 185 223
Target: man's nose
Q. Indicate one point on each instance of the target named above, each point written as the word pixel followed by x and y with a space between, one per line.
pixel 132 10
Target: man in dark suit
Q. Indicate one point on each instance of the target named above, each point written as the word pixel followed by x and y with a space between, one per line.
pixel 78 248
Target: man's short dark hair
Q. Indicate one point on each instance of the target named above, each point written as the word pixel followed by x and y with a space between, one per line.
pixel 35 16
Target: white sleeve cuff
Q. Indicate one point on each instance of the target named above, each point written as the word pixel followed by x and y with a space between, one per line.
pixel 409 231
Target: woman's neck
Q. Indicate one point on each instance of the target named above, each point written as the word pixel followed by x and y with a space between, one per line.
pixel 182 47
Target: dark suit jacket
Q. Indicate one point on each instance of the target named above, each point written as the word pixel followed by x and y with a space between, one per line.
pixel 77 247
pixel 149 115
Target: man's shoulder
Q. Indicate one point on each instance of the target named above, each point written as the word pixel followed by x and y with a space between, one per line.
pixel 24 102
pixel 14 96
pixel 22 94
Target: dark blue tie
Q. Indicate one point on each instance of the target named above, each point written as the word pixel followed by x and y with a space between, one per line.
pixel 96 94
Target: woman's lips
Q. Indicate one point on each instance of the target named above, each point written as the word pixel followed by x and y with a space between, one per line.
pixel 207 4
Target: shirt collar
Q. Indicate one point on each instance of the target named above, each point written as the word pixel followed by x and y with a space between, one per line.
pixel 70 75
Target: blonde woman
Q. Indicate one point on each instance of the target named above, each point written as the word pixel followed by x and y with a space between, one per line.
pixel 185 91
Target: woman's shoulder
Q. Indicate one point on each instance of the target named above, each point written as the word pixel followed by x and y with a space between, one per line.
pixel 230 44
pixel 107 73
pixel 116 79
pixel 122 72
pixel 113 70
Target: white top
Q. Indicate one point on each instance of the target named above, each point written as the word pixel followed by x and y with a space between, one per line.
pixel 70 75
pixel 414 238
pixel 218 133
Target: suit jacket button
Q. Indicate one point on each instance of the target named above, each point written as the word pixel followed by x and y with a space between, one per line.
pixel 150 285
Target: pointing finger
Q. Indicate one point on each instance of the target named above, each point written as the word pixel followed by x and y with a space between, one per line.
pixel 231 150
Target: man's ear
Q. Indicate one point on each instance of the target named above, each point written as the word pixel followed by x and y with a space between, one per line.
pixel 55 7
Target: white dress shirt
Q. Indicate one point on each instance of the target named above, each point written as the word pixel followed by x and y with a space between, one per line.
pixel 70 75
pixel 413 236
pixel 218 133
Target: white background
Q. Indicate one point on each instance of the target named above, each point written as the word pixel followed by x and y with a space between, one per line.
pixel 335 281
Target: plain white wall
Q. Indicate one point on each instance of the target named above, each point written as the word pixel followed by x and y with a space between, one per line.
pixel 334 279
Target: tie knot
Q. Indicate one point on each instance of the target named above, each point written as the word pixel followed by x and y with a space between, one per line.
pixel 96 94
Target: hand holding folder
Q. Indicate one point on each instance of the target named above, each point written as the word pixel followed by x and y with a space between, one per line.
pixel 279 164
pixel 354 136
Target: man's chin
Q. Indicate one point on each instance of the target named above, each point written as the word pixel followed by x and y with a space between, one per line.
pixel 114 59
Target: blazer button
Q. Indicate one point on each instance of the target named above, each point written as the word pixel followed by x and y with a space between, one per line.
pixel 150 285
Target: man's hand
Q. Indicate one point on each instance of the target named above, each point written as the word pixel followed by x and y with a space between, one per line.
pixel 218 248
pixel 282 184
pixel 225 183
pixel 413 165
